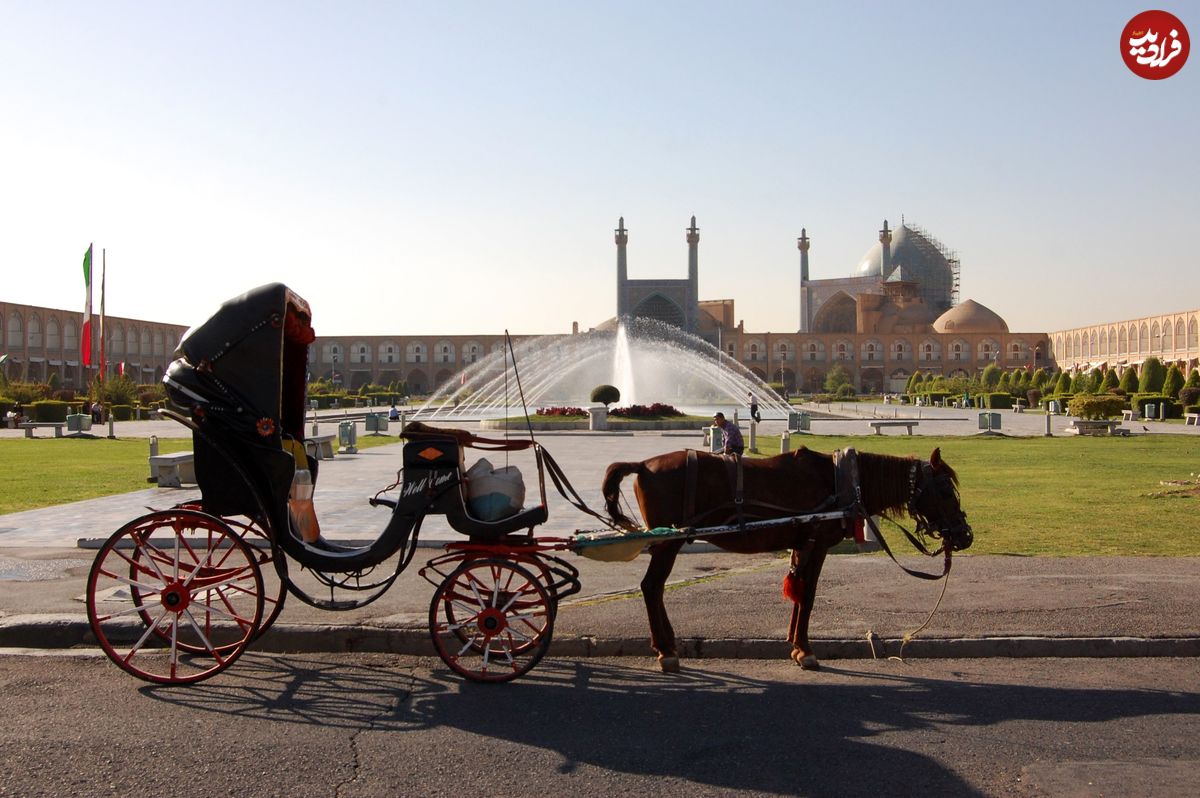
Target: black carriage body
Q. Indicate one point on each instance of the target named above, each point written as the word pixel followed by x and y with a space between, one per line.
pixel 242 376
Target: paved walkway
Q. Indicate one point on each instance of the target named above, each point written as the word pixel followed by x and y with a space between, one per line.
pixel 724 605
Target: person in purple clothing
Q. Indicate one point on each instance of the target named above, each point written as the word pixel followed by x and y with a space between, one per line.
pixel 733 436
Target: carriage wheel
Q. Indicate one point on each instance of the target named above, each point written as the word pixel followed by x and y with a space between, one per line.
pixel 491 620
pixel 196 592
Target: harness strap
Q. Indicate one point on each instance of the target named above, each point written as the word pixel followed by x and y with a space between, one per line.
pixel 919 574
pixel 568 492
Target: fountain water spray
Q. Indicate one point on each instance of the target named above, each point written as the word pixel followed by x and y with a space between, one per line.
pixel 648 361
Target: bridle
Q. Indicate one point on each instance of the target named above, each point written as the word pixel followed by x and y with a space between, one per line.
pixel 954 536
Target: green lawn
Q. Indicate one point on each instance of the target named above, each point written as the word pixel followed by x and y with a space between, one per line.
pixel 1061 495
pixel 1028 496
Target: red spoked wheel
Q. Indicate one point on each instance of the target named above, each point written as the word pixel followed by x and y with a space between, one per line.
pixel 274 588
pixel 175 597
pixel 491 620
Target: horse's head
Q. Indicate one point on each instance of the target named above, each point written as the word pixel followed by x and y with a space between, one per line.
pixel 934 503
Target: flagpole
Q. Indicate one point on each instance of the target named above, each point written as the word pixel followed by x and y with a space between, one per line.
pixel 103 271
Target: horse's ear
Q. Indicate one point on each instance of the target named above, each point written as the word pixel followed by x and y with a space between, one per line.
pixel 935 459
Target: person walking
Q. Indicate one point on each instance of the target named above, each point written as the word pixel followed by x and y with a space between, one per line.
pixel 734 444
pixel 754 407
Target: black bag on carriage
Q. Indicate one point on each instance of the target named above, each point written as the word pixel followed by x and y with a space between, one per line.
pixel 241 376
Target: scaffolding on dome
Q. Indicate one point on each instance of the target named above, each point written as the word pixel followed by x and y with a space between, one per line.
pixel 925 241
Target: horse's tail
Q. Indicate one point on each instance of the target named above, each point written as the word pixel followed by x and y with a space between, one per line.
pixel 611 489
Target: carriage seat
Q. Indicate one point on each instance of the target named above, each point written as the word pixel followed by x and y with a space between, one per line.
pixel 434 482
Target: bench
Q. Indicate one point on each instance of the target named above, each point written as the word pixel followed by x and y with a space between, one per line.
pixel 1096 427
pixel 319 447
pixel 878 425
pixel 1192 419
pixel 30 426
pixel 172 470
pixel 1127 415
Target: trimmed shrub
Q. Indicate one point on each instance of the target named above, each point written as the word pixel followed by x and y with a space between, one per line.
pixel 915 378
pixel 606 394
pixel 1034 396
pixel 1000 400
pixel 48 410
pixel 1152 375
pixel 1189 396
pixel 1129 381
pixel 1004 384
pixel 1173 382
pixel 1109 381
pixel 845 391
pixel 121 412
pixel 933 397
pixel 836 378
pixel 1092 407
pixel 1063 384
pixel 990 377
pixel 1138 403
pixel 1193 380
pixel 1038 380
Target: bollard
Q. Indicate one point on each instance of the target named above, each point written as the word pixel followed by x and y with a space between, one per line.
pixel 1048 433
pixel 754 437
pixel 785 443
pixel 153 453
pixel 111 435
pixel 403 420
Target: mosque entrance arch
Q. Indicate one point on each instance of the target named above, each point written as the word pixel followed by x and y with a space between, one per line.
pixel 838 315
pixel 658 307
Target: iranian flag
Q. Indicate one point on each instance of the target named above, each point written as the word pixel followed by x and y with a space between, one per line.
pixel 85 336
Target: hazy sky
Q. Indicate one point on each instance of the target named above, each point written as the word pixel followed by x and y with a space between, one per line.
pixel 459 167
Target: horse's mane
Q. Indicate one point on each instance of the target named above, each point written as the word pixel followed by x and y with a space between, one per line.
pixel 885 482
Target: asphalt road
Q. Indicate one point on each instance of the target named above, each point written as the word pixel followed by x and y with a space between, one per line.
pixel 375 725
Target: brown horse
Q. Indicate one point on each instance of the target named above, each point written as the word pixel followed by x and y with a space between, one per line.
pixel 788 484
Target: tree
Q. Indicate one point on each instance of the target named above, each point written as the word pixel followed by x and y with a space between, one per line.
pixel 1152 376
pixel 1081 382
pixel 1129 380
pixel 1096 377
pixel 836 378
pixel 990 377
pixel 1193 380
pixel 1064 383
pixel 606 394
pixel 1110 381
pixel 1173 382
pixel 1038 380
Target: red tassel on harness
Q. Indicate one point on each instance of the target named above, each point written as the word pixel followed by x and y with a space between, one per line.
pixel 793 587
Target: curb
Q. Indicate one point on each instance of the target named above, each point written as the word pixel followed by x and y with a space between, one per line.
pixel 68 631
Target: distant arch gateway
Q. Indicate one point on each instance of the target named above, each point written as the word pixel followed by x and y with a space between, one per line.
pixel 658 307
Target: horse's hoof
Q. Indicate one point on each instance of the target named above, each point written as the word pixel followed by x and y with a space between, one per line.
pixel 807 662
pixel 669 664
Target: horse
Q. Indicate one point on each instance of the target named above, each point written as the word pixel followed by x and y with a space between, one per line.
pixel 788 484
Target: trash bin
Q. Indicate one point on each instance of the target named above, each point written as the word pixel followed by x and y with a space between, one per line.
pixel 376 423
pixel 1150 411
pixel 347 437
pixel 716 439
pixel 989 421
pixel 1053 407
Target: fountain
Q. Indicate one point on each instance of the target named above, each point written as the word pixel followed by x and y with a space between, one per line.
pixel 648 361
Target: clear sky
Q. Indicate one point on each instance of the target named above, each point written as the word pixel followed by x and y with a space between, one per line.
pixel 459 167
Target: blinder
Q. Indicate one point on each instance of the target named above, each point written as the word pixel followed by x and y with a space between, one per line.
pixel 955 532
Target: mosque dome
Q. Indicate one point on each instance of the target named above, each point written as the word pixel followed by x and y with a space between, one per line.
pixel 970 317
pixel 922 259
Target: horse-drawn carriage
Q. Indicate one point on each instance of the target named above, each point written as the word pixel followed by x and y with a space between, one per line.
pixel 177 595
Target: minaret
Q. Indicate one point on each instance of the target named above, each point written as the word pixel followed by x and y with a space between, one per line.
pixel 693 239
pixel 885 261
pixel 622 238
pixel 805 296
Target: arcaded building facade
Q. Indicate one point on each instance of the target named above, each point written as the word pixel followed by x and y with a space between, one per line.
pixel 44 342
pixel 1171 337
